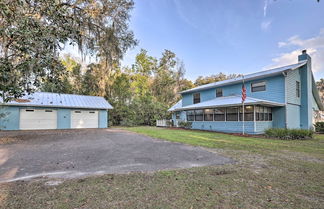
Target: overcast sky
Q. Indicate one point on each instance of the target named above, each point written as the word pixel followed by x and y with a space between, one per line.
pixel 230 36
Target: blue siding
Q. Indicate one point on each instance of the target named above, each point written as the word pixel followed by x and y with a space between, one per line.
pixel 207 95
pixel 306 113
pixel 275 91
pixel 64 118
pixel 11 119
pixel 278 117
pixel 187 99
pixel 292 77
pixel 224 126
pixel 261 126
pixel 293 116
pixel 103 118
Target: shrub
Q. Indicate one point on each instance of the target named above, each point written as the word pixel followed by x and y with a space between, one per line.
pixel 169 123
pixel 185 124
pixel 287 134
pixel 319 127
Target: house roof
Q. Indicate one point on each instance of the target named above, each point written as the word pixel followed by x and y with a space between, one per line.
pixel 176 106
pixel 252 76
pixel 45 99
pixel 235 100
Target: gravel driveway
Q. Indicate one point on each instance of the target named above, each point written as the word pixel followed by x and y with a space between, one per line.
pixel 75 153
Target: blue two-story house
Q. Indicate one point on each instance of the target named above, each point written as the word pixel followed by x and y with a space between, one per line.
pixel 284 97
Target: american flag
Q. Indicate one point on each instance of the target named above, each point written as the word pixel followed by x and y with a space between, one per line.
pixel 243 93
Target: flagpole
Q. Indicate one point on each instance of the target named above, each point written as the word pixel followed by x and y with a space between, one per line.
pixel 243 108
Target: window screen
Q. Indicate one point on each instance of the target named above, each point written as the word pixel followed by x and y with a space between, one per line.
pixel 196 98
pixel 258 86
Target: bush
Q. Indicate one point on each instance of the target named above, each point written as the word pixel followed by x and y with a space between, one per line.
pixel 319 127
pixel 169 123
pixel 185 124
pixel 288 134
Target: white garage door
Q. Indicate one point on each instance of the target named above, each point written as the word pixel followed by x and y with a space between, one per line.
pixel 84 119
pixel 37 119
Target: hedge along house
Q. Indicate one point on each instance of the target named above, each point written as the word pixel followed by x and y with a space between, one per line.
pixel 284 97
pixel 42 110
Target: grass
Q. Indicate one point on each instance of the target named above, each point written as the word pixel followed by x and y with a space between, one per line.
pixel 226 141
pixel 268 173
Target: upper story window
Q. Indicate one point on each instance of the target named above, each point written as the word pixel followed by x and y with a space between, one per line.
pixel 258 86
pixel 219 92
pixel 196 98
pixel 297 89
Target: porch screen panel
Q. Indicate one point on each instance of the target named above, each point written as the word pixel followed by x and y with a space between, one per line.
pixel 219 114
pixel 177 115
pixel 208 114
pixel 248 113
pixel 266 113
pixel 190 115
pixel 232 114
pixel 199 115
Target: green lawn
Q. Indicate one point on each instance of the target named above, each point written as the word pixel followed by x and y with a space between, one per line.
pixel 267 174
pixel 226 141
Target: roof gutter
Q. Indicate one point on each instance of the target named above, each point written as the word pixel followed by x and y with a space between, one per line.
pixel 231 105
pixel 54 106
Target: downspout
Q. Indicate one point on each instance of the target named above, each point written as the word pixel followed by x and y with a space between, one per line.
pixel 286 112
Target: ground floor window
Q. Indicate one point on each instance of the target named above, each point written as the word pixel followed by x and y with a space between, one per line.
pixel 263 113
pixel 231 114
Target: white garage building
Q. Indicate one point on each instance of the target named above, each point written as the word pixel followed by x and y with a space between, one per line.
pixel 42 110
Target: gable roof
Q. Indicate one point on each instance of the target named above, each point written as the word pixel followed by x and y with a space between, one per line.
pixel 227 101
pixel 252 76
pixel 46 99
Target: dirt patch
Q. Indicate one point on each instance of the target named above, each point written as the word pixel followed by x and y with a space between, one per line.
pixel 9 140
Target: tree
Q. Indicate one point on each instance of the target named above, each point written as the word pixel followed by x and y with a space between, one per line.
pixel 320 87
pixel 214 78
pixel 69 82
pixel 33 32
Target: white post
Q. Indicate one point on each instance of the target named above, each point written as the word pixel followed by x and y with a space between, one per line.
pixel 243 116
pixel 254 118
pixel 243 106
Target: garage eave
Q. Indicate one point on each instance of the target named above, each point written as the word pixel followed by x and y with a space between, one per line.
pixel 53 106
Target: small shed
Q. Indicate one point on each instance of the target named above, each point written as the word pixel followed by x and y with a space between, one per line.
pixel 43 110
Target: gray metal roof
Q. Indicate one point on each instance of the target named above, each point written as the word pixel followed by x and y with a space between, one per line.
pixel 248 77
pixel 235 100
pixel 176 106
pixel 45 99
